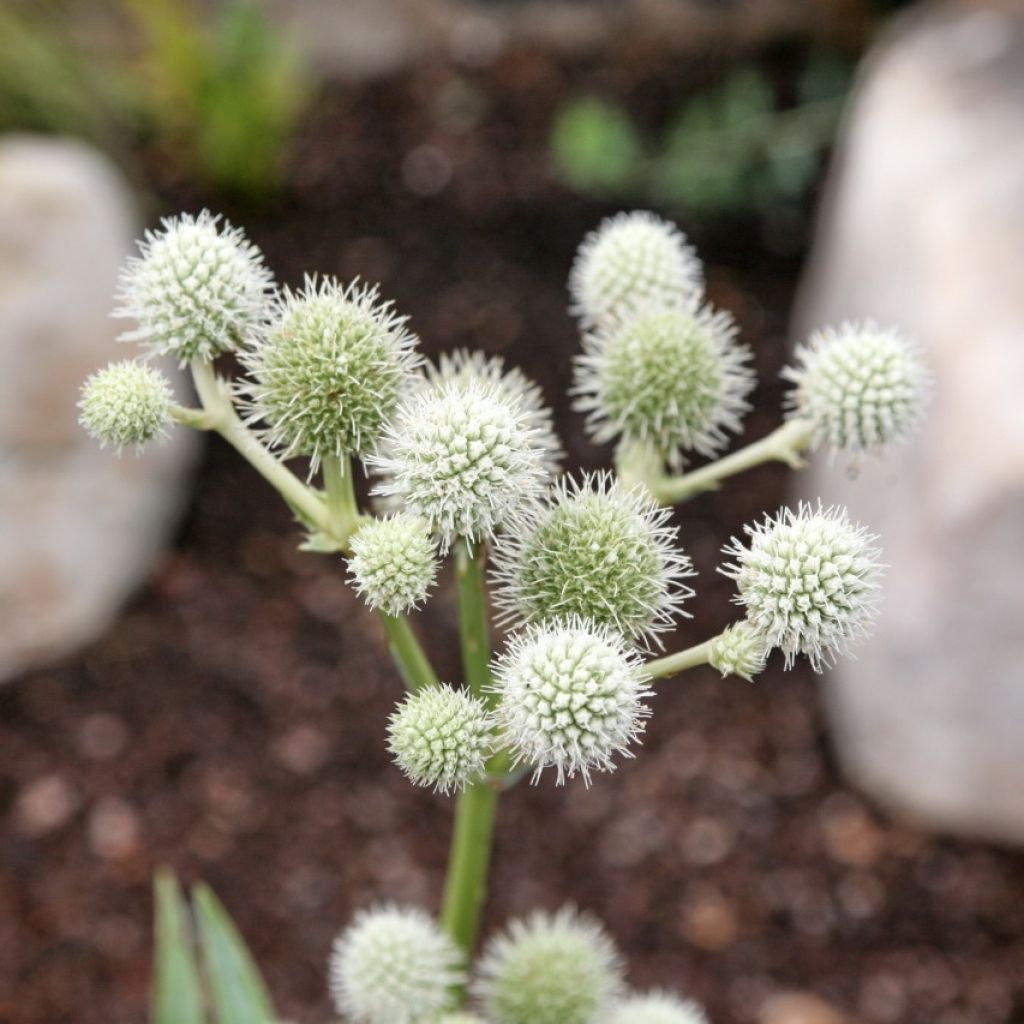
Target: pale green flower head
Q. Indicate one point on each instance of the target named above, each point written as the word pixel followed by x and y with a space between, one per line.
pixel 197 289
pixel 862 387
pixel 570 697
pixel 740 650
pixel 441 737
pixel 633 260
pixel 557 968
pixel 674 379
pixel 596 551
pixel 465 455
pixel 808 581
pixel 126 403
pixel 656 1008
pixel 330 370
pixel 394 965
pixel 393 563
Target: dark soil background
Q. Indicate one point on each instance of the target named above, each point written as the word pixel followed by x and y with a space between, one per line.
pixel 231 724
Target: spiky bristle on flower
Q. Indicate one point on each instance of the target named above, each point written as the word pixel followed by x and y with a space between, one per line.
pixel 441 737
pixel 597 551
pixel 197 289
pixel 808 580
pixel 674 379
pixel 330 371
pixel 862 387
pixel 464 455
pixel 559 968
pixel 656 1007
pixel 739 650
pixel 630 261
pixel 394 562
pixel 394 965
pixel 570 697
pixel 126 403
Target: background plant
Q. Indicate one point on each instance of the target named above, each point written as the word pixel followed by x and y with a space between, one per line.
pixel 465 460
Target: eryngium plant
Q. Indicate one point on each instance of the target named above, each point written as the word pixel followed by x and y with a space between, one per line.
pixel 588 572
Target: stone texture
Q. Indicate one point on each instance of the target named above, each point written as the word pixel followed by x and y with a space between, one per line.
pixel 923 227
pixel 79 527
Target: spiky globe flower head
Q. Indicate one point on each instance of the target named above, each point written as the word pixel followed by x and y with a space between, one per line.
pixel 807 580
pixel 465 455
pixel 394 965
pixel 597 551
pixel 441 737
pixel 126 403
pixel 330 370
pixel 557 968
pixel 570 697
pixel 656 1008
pixel 673 379
pixel 633 260
pixel 861 386
pixel 197 289
pixel 393 562
pixel 739 650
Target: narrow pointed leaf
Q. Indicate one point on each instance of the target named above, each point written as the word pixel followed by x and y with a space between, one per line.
pixel 177 993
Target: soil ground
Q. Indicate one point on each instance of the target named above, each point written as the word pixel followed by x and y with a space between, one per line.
pixel 231 723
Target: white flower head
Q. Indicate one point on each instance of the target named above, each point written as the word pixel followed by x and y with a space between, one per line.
pixel 633 260
pixel 197 289
pixel 464 455
pixel 674 379
pixel 394 965
pixel 597 551
pixel 441 737
pixel 559 968
pixel 656 1007
pixel 808 581
pixel 330 370
pixel 126 403
pixel 393 563
pixel 570 697
pixel 862 387
pixel 739 650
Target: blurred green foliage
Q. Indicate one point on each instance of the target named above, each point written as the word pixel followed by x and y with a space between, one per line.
pixel 220 96
pixel 202 972
pixel 729 149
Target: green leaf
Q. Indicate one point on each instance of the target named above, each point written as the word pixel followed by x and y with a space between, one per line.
pixel 595 146
pixel 237 990
pixel 177 995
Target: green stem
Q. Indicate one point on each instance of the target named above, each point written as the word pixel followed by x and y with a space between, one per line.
pixel 784 444
pixel 672 664
pixel 408 655
pixel 342 511
pixel 220 415
pixel 475 810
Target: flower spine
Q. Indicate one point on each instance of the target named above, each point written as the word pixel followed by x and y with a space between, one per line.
pixel 633 260
pixel 441 737
pixel 656 1008
pixel 570 697
pixel 330 370
pixel 808 581
pixel 593 550
pixel 197 289
pixel 126 403
pixel 675 380
pixel 393 965
pixel 464 455
pixel 393 563
pixel 557 968
pixel 863 387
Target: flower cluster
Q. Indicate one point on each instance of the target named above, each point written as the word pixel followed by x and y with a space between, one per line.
pixel 393 563
pixel 126 403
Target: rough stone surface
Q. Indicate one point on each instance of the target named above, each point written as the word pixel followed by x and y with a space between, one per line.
pixel 79 527
pixel 923 227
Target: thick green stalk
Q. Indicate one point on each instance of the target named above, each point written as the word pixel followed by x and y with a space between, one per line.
pixel 475 809
pixel 342 512
pixel 672 664
pixel 408 655
pixel 784 444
